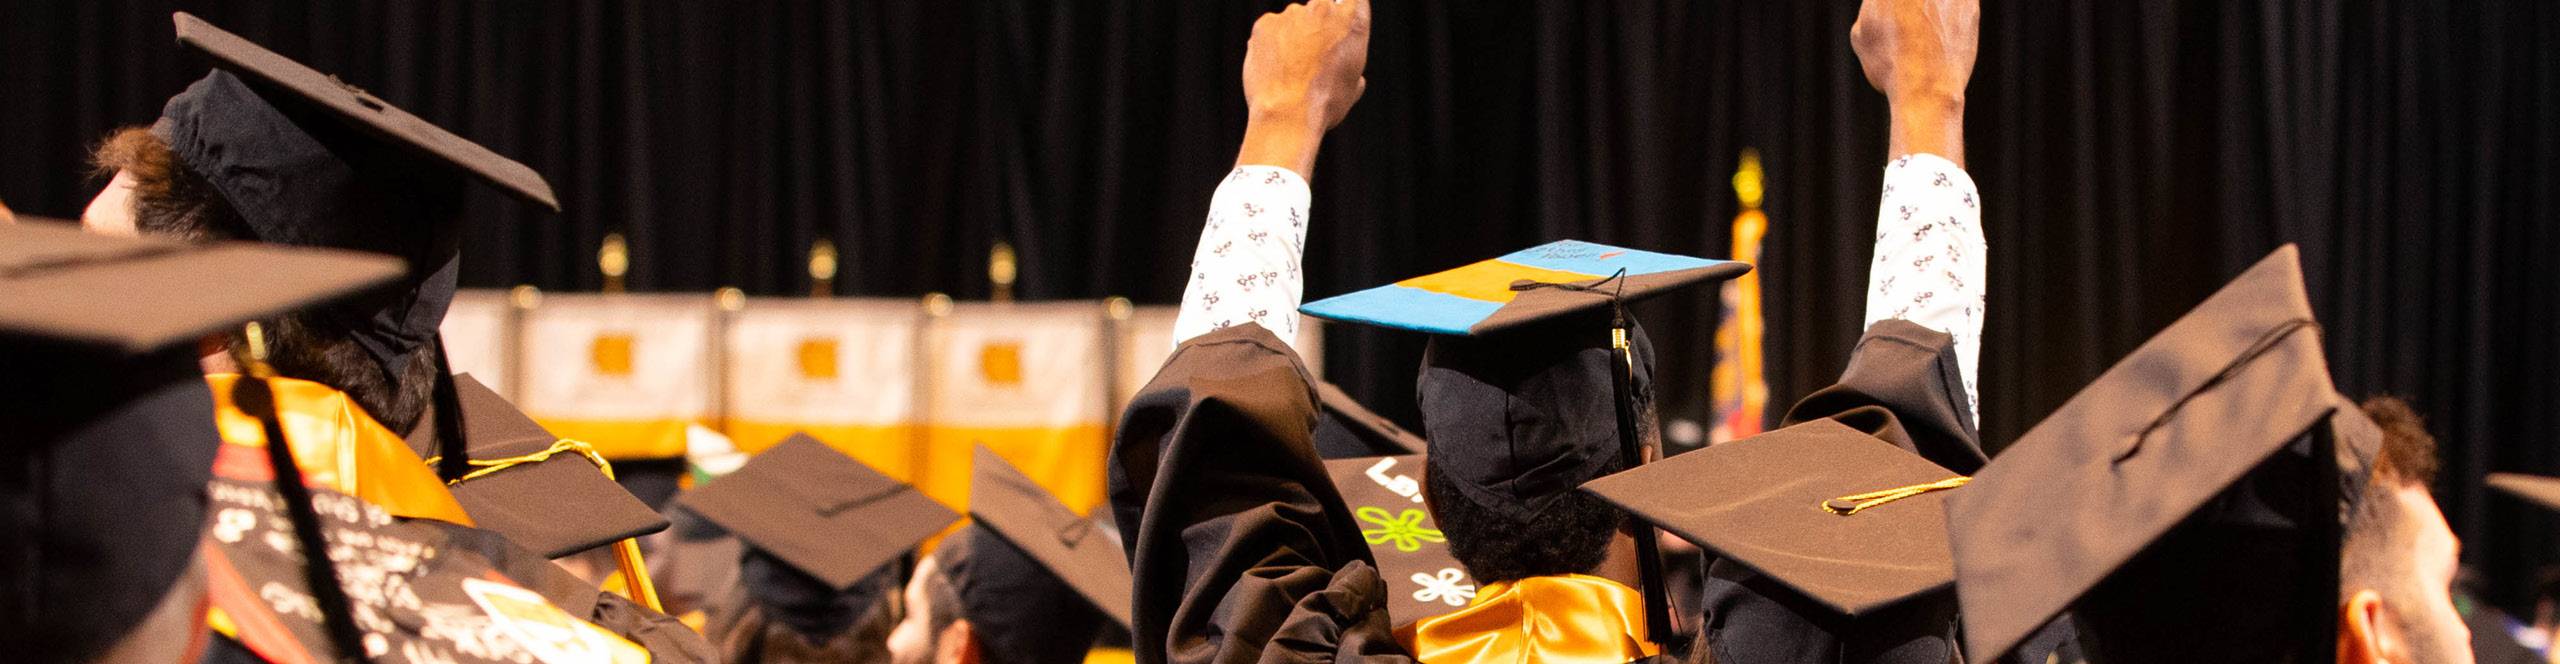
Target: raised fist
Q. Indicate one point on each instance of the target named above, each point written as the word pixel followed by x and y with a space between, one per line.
pixel 1917 49
pixel 1304 62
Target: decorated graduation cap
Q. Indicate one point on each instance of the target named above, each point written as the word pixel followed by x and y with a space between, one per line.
pixel 820 511
pixel 120 415
pixel 1385 495
pixel 1035 578
pixel 308 159
pixel 2184 507
pixel 1346 429
pixel 1843 519
pixel 1530 382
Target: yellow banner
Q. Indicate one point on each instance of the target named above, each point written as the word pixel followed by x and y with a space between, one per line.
pixel 843 371
pixel 1029 381
pixel 624 373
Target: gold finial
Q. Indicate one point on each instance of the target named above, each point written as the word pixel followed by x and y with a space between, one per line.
pixel 524 296
pixel 1746 179
pixel 1000 271
pixel 615 259
pixel 1118 308
pixel 729 298
pixel 822 269
pixel 937 305
pixel 254 337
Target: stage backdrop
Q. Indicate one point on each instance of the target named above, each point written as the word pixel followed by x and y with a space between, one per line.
pixel 2132 156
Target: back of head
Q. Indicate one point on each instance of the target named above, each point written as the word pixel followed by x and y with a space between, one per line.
pixel 1018 612
pixel 2388 533
pixel 1515 423
pixel 171 199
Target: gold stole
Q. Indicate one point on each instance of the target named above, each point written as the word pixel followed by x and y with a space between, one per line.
pixel 338 446
pixel 1570 618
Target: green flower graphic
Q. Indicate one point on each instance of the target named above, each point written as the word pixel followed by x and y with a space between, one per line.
pixel 1405 530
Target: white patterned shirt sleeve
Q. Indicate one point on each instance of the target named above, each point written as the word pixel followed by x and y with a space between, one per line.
pixel 1931 260
pixel 1246 268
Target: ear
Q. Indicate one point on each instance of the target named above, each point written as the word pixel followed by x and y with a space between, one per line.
pixel 2364 632
pixel 958 644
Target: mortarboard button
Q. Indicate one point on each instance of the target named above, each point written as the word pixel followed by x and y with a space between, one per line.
pixel 1845 519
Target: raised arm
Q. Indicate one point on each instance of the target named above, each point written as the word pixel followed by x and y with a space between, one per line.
pixel 1930 258
pixel 1301 75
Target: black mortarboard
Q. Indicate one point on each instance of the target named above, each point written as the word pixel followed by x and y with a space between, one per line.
pixel 2542 491
pixel 1849 521
pixel 1345 429
pixel 1530 383
pixel 1070 546
pixel 1385 495
pixel 825 513
pixel 2187 505
pixel 536 489
pixel 111 412
pixel 308 159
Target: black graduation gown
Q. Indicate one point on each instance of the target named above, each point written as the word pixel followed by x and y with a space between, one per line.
pixel 1902 385
pixel 1242 551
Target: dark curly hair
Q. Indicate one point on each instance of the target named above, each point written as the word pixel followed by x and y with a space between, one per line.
pixel 172 200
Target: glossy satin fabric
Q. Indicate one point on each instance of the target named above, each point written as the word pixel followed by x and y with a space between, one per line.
pixel 1570 618
pixel 340 447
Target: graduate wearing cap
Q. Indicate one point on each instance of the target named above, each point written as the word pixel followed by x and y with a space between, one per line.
pixel 128 421
pixel 264 148
pixel 1861 580
pixel 823 538
pixel 1239 547
pixel 2212 498
pixel 1028 582
pixel 109 455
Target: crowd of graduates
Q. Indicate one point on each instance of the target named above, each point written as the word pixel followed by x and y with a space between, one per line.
pixel 236 438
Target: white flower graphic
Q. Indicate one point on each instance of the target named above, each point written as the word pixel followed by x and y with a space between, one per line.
pixel 1448 587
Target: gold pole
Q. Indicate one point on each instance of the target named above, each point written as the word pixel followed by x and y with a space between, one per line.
pixel 614 258
pixel 1000 271
pixel 822 269
pixel 635 574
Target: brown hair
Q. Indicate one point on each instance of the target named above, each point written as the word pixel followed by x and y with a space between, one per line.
pixel 169 199
pixel 2408 454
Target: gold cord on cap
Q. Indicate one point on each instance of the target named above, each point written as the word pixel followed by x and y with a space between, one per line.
pixel 626 553
pixel 1852 504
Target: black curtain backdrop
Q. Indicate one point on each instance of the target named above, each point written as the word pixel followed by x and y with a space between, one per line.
pixel 2133 155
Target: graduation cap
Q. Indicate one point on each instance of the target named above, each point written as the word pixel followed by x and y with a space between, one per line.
pixel 103 330
pixel 820 511
pixel 1385 495
pixel 1531 377
pixel 545 493
pixel 1345 429
pixel 2187 506
pixel 1850 522
pixel 1036 579
pixel 2542 491
pixel 308 159
pixel 1069 546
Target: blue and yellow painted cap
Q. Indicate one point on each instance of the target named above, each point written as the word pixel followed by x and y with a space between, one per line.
pixel 1539 283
